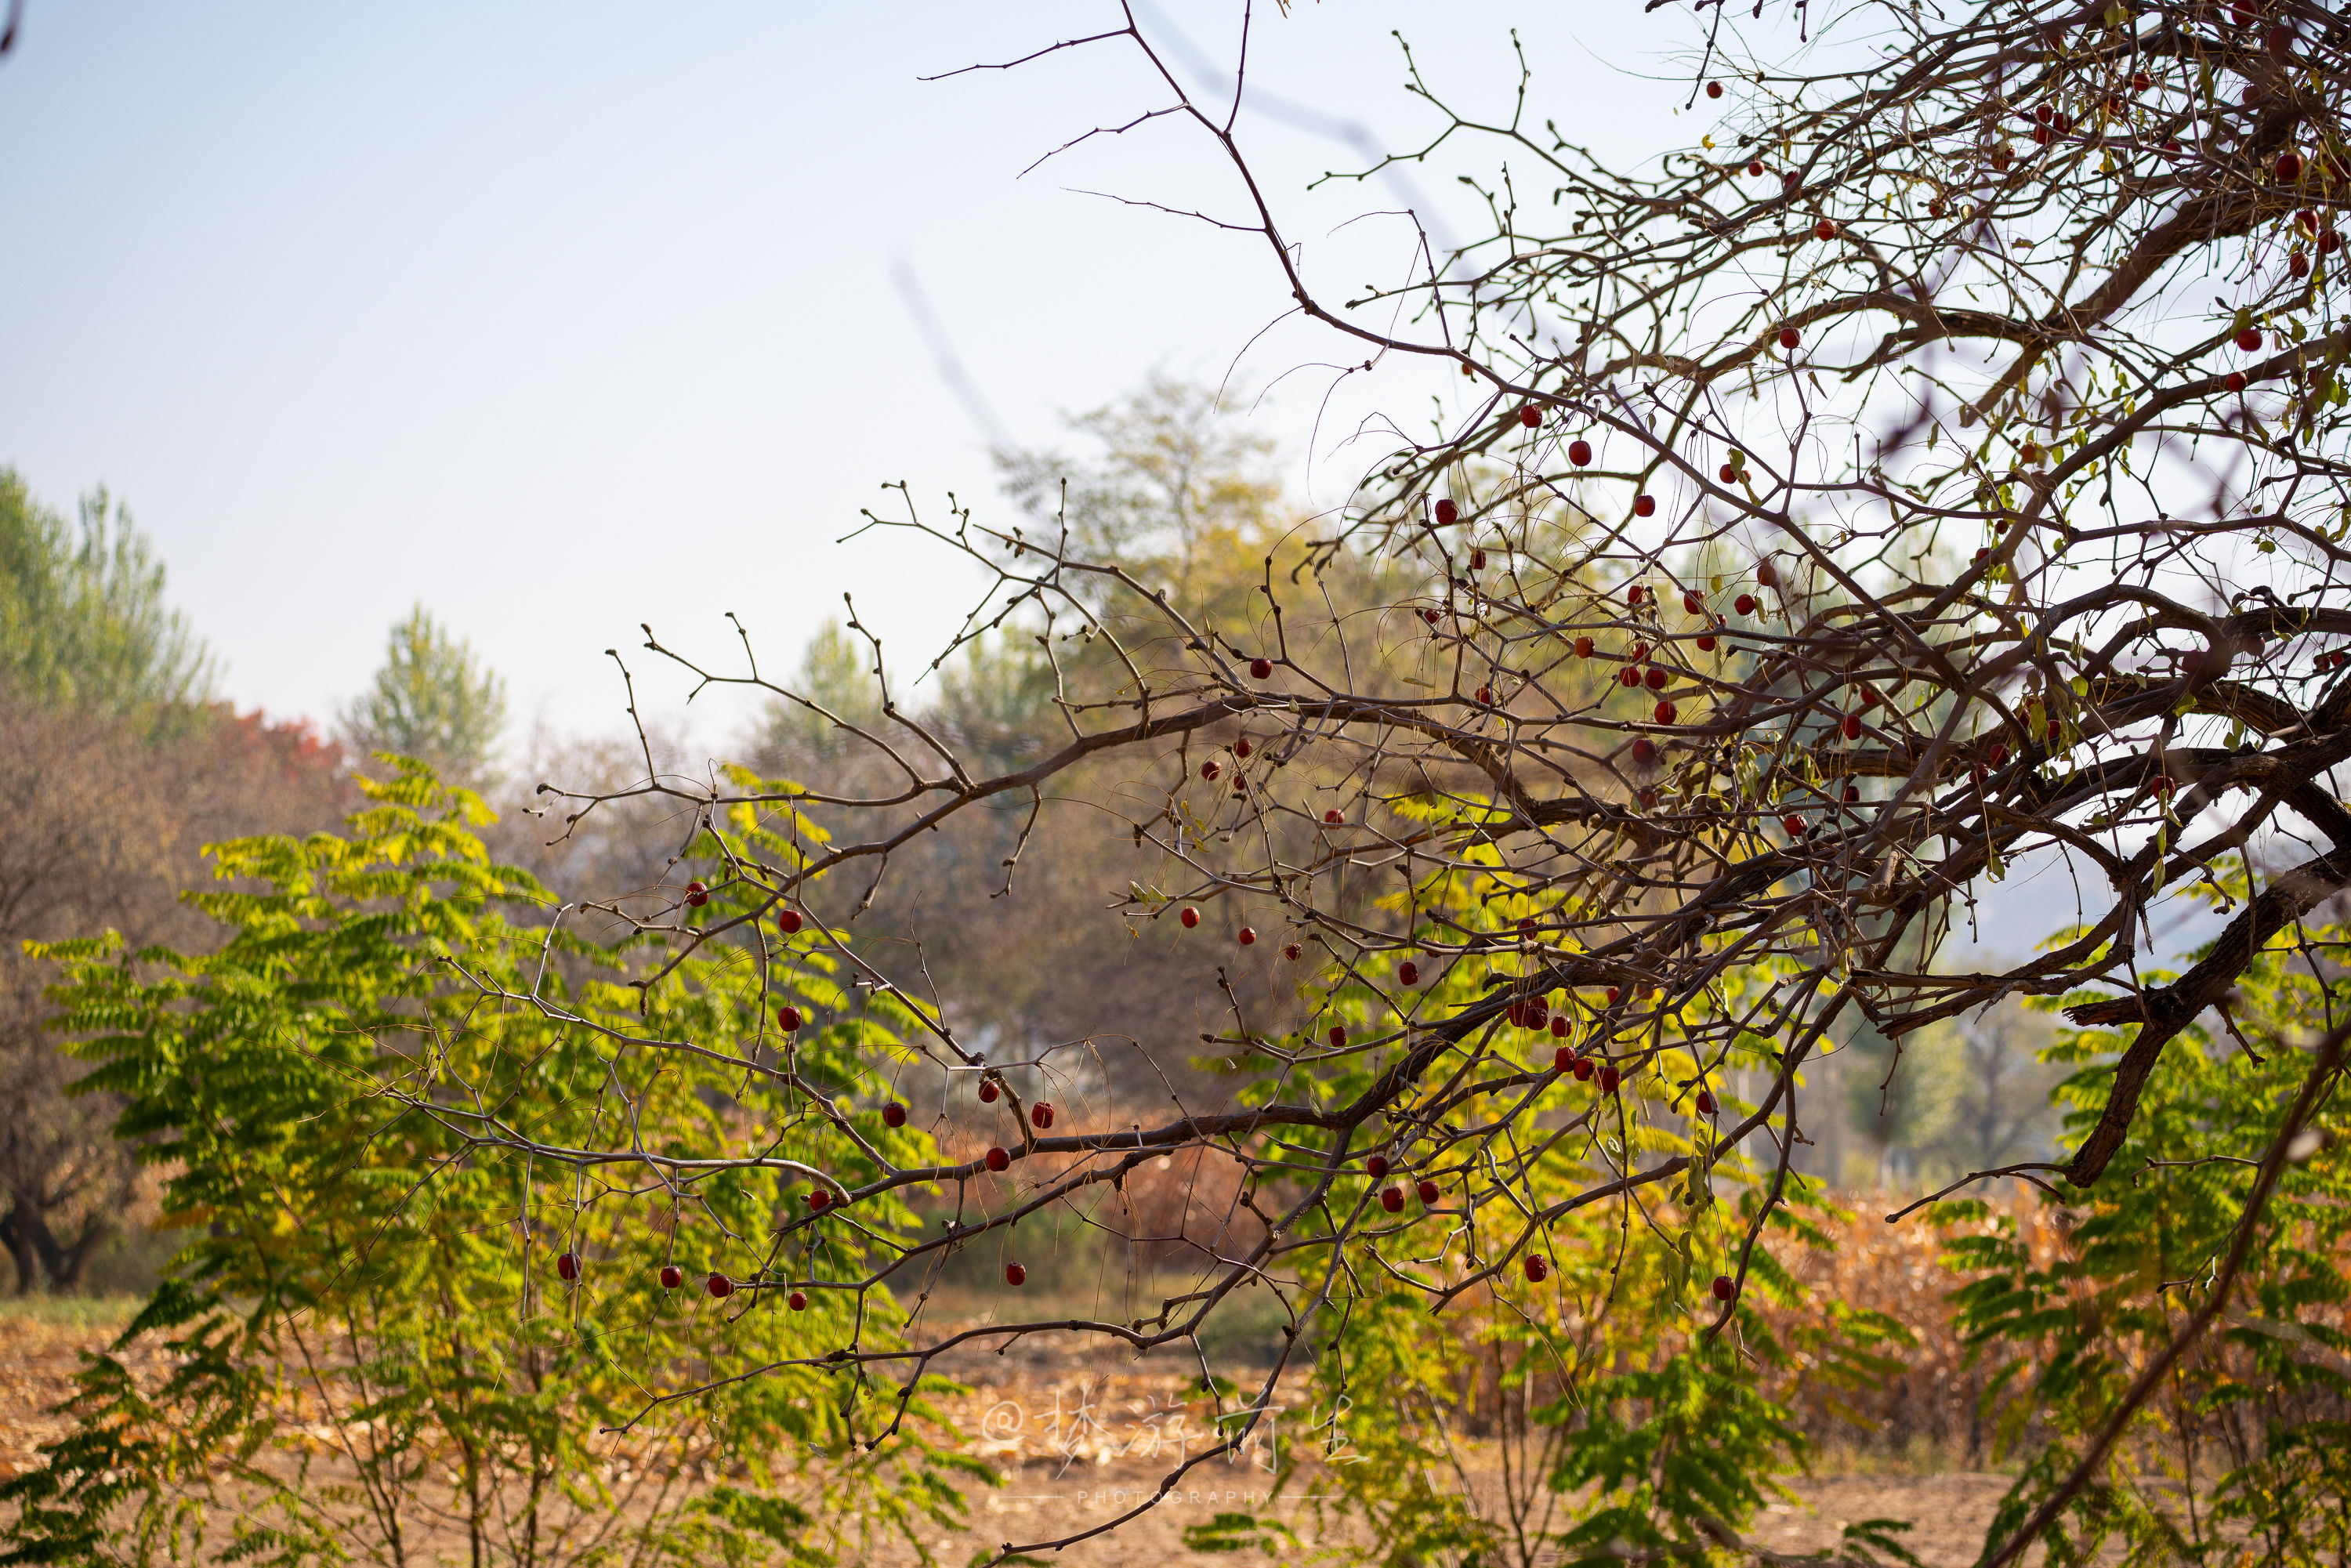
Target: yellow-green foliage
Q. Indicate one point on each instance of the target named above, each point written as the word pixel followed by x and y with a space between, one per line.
pixel 356 1097
pixel 2244 1456
pixel 1623 1405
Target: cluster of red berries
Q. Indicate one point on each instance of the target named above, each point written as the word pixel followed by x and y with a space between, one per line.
pixel 720 1286
pixel 1377 1166
pixel 2048 124
pixel 1567 1061
pixel 1392 1198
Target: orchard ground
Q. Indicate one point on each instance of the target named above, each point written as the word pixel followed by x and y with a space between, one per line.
pixel 1077 1446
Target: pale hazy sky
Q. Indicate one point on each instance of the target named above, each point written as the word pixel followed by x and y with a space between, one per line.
pixel 561 319
pixel 565 318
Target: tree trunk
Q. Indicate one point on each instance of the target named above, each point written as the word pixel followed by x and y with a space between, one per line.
pixel 67 1266
pixel 34 1247
pixel 14 1234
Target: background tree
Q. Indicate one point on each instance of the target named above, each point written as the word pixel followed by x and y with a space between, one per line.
pixel 1173 484
pixel 836 678
pixel 107 827
pixel 432 699
pixel 117 772
pixel 89 845
pixel 2001 1110
pixel 1178 490
pixel 83 621
pixel 605 857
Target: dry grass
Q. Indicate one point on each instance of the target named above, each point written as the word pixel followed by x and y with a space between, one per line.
pixel 1080 1435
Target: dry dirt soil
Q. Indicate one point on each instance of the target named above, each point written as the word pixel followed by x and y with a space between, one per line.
pixel 1952 1512
pixel 1076 1452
